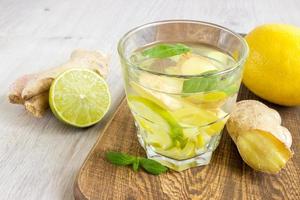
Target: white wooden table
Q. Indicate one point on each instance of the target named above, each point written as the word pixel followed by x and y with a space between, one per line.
pixel 39 158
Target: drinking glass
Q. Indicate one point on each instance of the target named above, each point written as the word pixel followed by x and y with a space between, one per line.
pixel 180 117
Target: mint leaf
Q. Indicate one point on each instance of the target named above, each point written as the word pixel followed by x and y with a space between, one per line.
pixel 228 84
pixel 118 158
pixel 152 166
pixel 203 84
pixel 135 165
pixel 165 50
pixel 232 89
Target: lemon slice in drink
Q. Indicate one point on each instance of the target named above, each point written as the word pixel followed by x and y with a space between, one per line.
pixel 193 116
pixel 213 97
pixel 79 97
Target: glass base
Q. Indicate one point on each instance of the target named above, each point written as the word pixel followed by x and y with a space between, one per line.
pixel 177 165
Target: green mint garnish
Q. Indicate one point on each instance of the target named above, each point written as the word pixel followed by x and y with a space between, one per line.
pixel 203 84
pixel 149 165
pixel 165 50
pixel 200 84
pixel 230 90
pixel 136 164
pixel 152 166
pixel 119 158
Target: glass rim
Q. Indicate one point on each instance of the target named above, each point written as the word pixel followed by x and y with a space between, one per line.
pixel 128 34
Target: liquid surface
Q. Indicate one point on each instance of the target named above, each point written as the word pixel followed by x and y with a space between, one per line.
pixel 198 59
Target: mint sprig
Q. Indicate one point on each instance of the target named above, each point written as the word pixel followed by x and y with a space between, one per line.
pixel 201 84
pixel 152 166
pixel 165 50
pixel 228 84
pixel 119 158
pixel 122 159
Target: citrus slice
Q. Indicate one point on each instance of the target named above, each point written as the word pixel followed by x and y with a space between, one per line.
pixel 79 97
pixel 199 138
pixel 149 110
pixel 202 141
pixel 156 133
pixel 215 128
pixel 180 154
pixel 209 97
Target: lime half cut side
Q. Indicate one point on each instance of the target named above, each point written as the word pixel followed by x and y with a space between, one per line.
pixel 79 97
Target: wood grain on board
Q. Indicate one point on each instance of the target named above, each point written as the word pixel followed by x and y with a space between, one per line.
pixel 226 177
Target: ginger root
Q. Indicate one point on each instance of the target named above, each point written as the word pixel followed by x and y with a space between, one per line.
pixel 31 90
pixel 260 139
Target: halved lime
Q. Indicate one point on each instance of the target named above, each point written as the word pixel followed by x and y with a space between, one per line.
pixel 79 97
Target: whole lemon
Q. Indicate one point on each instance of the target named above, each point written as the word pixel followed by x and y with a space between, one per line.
pixel 272 70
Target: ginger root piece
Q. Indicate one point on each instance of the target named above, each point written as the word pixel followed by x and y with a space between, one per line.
pixel 37 105
pixel 15 90
pixel 79 59
pixel 31 90
pixel 260 139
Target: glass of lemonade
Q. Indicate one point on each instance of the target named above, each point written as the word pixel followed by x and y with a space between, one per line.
pixel 181 80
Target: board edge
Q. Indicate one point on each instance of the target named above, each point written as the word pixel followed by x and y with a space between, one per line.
pixel 77 192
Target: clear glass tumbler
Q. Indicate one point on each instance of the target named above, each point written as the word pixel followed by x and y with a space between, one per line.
pixel 181 80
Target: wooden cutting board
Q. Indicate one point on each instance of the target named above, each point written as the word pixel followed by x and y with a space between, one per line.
pixel 226 177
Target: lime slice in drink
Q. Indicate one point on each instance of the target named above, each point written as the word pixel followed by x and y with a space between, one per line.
pixel 157 133
pixel 79 97
pixel 151 111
